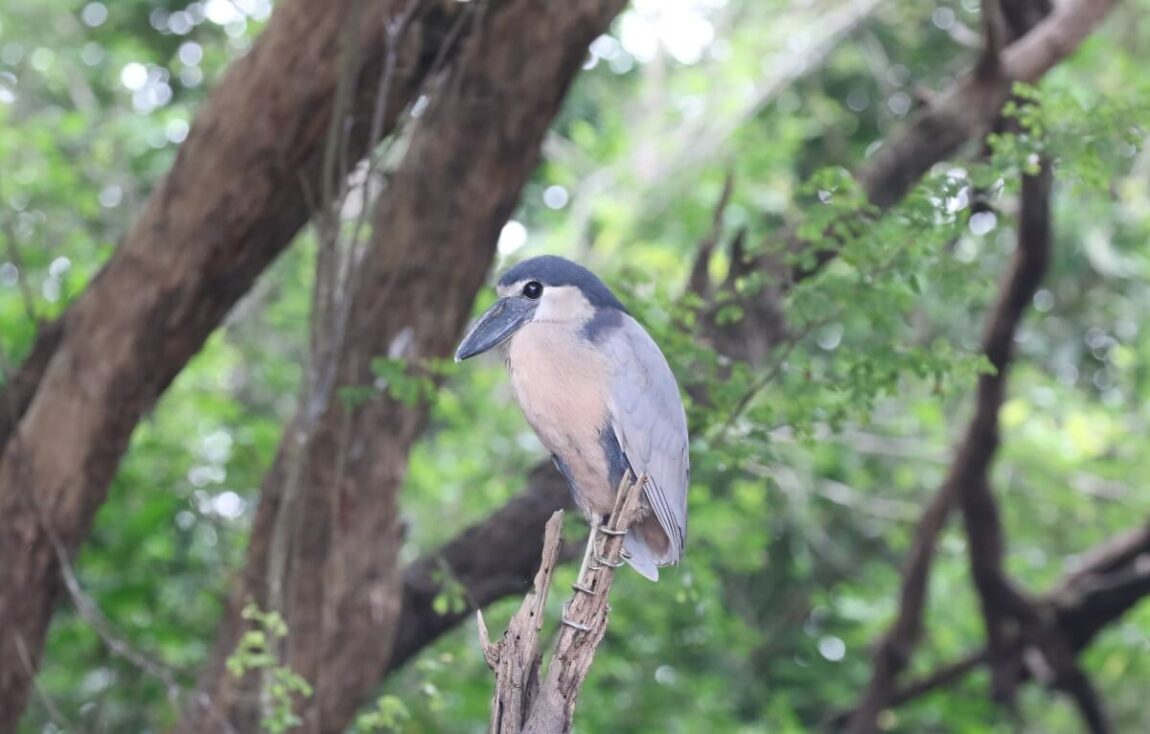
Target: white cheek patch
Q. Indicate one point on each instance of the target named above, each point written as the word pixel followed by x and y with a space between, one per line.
pixel 563 303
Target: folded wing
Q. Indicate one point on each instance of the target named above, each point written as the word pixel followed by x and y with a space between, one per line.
pixel 647 416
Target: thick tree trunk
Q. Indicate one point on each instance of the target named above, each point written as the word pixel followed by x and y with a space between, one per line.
pixel 236 195
pixel 435 230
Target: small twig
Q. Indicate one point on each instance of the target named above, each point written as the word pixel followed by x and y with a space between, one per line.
pixel 942 676
pixel 54 712
pixel 699 281
pixel 91 613
pixel 464 13
pixel 12 248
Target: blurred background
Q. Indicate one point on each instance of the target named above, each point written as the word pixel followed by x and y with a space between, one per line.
pixel 692 126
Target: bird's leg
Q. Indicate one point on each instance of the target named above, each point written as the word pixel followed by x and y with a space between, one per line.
pixel 599 560
pixel 623 531
pixel 625 485
pixel 588 554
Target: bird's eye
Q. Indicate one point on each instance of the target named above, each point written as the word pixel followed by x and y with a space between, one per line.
pixel 533 290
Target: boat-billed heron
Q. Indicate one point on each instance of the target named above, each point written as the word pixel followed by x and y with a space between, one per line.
pixel 600 396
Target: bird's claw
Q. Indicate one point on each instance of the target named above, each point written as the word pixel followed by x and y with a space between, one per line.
pixel 585 589
pixel 612 531
pixel 575 625
pixel 571 622
pixel 608 562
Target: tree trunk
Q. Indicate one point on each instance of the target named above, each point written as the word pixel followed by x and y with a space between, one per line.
pixel 235 197
pixel 435 230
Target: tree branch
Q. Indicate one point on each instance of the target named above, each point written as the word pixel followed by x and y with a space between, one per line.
pixel 522 704
pixel 965 112
pixel 1002 604
pixel 1113 579
pixel 586 621
pixel 1012 620
pixel 966 479
pixel 489 560
pixel 516 658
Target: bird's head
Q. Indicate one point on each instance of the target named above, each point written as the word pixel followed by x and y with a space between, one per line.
pixel 542 289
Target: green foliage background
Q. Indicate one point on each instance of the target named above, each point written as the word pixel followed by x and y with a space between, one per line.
pixel 802 504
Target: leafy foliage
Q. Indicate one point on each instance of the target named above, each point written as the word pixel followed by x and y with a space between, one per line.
pixel 255 652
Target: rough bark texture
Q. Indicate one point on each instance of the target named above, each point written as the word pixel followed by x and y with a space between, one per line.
pixel 435 230
pixel 522 703
pixel 585 624
pixel 234 198
pixel 515 658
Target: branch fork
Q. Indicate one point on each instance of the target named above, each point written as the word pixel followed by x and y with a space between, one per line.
pixel 524 702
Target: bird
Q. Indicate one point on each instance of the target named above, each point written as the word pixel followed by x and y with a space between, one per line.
pixel 601 397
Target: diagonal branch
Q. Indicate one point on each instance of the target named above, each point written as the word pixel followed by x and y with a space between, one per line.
pixel 965 112
pixel 1113 579
pixel 516 658
pixel 523 703
pixel 967 479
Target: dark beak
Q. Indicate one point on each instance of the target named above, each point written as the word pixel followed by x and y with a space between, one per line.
pixel 495 326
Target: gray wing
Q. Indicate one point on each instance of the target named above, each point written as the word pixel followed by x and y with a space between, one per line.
pixel 651 426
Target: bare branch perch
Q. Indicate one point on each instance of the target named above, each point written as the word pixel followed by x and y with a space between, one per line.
pixel 586 622
pixel 521 704
pixel 516 658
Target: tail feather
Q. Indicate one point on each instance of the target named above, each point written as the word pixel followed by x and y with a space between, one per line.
pixel 639 556
pixel 646 548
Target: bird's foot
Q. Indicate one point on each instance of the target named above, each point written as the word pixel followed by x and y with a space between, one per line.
pixel 575 625
pixel 611 531
pixel 571 622
pixel 608 562
pixel 585 589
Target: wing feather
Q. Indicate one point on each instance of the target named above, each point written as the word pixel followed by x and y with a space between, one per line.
pixel 651 427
